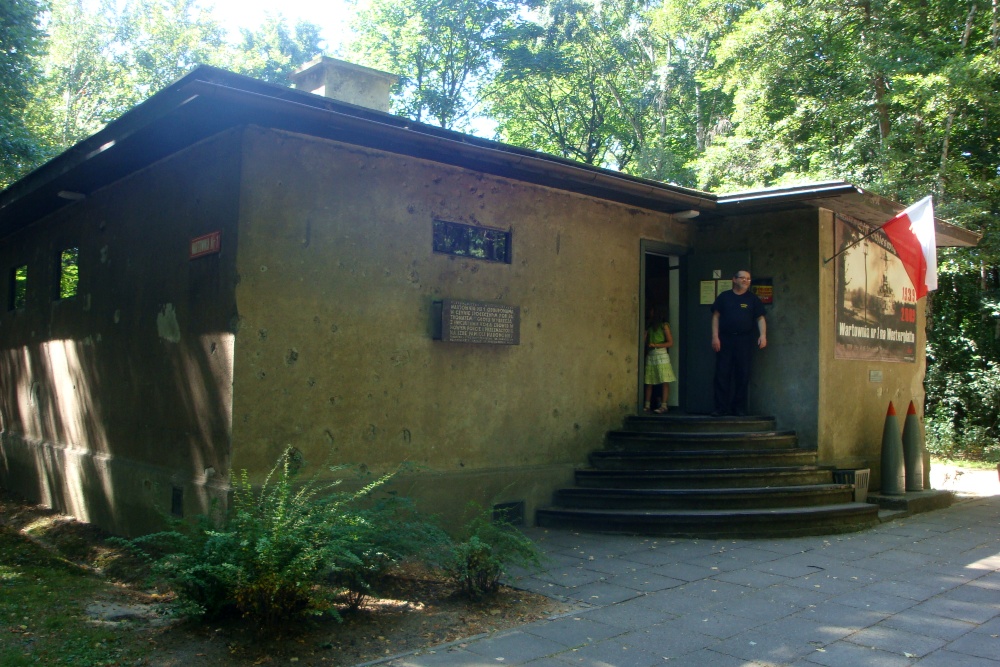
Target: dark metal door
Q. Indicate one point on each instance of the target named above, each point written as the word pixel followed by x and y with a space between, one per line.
pixel 698 361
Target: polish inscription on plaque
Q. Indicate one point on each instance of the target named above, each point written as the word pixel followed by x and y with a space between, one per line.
pixel 474 322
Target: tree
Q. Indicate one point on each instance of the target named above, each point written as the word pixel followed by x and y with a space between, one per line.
pixel 572 82
pixel 440 49
pixel 273 51
pixel 21 43
pixel 104 60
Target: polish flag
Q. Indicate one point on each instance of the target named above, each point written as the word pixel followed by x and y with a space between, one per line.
pixel 912 235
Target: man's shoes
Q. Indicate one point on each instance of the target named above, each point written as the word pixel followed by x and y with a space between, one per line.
pixel 718 413
pixel 741 413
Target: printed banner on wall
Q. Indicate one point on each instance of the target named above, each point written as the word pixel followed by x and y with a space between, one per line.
pixel 876 309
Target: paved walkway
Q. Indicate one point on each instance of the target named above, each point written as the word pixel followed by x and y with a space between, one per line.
pixel 924 590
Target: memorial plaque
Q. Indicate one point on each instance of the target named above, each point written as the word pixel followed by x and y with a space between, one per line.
pixel 473 322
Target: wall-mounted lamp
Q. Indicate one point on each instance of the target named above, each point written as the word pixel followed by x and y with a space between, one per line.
pixel 72 196
pixel 687 215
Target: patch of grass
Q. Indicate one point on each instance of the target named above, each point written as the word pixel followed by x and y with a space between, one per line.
pixel 42 611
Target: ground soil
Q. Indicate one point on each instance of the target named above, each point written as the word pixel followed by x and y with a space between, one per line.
pixel 417 610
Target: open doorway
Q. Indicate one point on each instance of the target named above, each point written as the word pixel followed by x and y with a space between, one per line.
pixel 661 290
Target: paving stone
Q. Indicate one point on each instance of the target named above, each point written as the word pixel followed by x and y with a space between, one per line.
pixel 602 593
pixel 750 578
pixel 550 661
pixel 789 567
pixel 709 658
pixel 684 571
pixel 830 583
pixel 990 581
pixel 646 581
pixel 628 615
pixel 614 565
pixel 672 553
pixel 714 623
pixel 905 589
pixel 573 630
pixel 443 658
pixel 958 609
pixel 667 641
pixel 863 598
pixel 843 653
pixel 991 626
pixel 892 640
pixel 764 647
pixel 979 595
pixel 672 603
pixel 979 644
pixel 607 653
pixel 802 628
pixel 840 616
pixel 949 659
pixel 926 624
pixel 571 577
pixel 760 605
pixel 514 648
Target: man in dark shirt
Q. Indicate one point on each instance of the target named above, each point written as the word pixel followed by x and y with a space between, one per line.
pixel 738 326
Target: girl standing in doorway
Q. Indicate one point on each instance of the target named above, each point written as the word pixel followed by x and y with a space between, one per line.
pixel 658 368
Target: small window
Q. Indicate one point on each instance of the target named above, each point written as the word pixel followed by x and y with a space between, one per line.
pixel 18 287
pixel 454 238
pixel 69 272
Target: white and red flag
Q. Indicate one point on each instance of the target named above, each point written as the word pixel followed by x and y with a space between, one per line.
pixel 912 235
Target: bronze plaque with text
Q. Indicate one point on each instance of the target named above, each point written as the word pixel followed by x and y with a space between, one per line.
pixel 473 322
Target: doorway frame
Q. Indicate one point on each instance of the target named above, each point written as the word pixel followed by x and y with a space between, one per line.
pixel 673 252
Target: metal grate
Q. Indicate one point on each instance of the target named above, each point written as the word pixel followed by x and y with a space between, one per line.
pixel 858 478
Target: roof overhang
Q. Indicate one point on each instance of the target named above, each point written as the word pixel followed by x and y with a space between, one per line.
pixel 842 198
pixel 209 101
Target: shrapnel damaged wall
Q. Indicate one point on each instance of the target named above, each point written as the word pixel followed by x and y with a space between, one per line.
pixel 337 280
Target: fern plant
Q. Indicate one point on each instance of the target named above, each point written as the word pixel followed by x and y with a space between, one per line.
pixel 281 545
pixel 488 547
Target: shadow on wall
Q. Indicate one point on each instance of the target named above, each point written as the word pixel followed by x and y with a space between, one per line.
pixel 106 431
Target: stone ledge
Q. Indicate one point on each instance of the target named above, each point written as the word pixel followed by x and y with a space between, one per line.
pixel 914 502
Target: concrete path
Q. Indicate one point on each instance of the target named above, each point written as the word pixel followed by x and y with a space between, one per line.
pixel 924 590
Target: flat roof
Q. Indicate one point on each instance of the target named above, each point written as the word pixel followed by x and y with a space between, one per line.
pixel 209 100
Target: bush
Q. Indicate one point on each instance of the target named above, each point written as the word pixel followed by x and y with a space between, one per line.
pixel 280 547
pixel 489 546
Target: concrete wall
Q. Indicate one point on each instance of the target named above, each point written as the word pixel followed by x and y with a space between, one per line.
pixel 112 399
pixel 786 375
pixel 334 354
pixel 852 408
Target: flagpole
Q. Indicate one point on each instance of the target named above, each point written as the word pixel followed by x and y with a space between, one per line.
pixel 846 248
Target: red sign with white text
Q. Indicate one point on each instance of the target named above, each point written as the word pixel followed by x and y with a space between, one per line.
pixel 209 244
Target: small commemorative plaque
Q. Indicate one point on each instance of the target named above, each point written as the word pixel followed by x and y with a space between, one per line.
pixel 474 322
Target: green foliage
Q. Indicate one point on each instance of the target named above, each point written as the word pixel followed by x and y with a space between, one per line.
pixel 440 49
pixel 963 368
pixel 21 43
pixel 281 545
pixel 104 58
pixel 488 547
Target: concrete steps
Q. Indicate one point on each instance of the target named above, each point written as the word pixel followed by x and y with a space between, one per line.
pixel 692 475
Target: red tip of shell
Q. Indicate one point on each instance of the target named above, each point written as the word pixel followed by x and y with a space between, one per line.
pixel 912 410
pixel 891 410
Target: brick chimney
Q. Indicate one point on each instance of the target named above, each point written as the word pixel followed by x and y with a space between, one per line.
pixel 346 82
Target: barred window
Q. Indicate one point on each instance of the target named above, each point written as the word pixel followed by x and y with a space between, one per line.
pixel 454 238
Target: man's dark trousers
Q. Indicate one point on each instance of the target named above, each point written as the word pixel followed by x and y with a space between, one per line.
pixel 732 372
